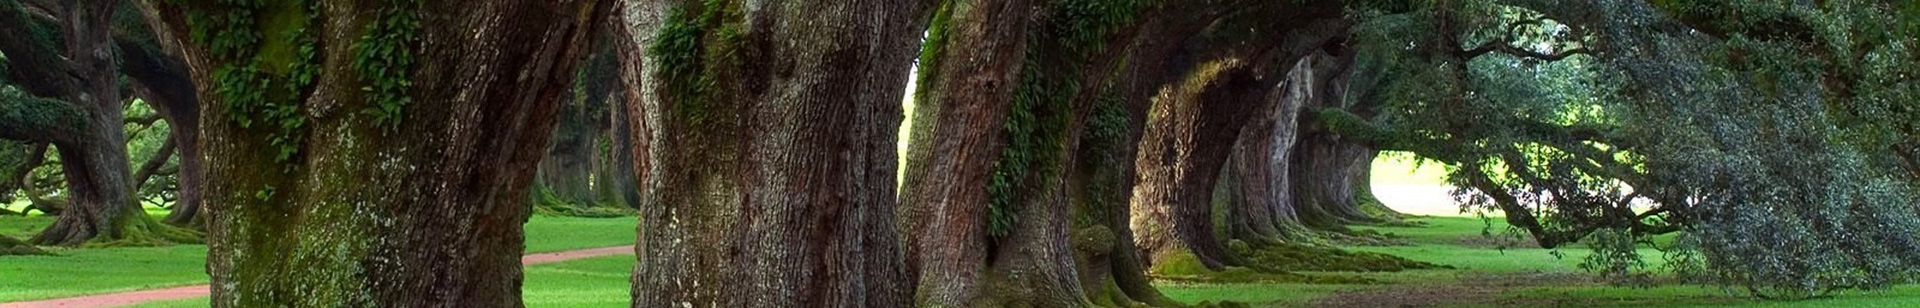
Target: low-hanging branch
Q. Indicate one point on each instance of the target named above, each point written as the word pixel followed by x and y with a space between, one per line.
pixel 1575 140
pixel 1519 215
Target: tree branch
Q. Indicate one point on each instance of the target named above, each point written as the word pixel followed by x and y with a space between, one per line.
pixel 36 66
pixel 1501 46
pixel 27 118
pixel 153 165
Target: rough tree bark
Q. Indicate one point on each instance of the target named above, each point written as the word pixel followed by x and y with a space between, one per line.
pixel 771 182
pixel 1255 177
pixel 411 192
pixel 1196 120
pixel 1327 166
pixel 968 80
pixel 1185 145
pixel 1110 112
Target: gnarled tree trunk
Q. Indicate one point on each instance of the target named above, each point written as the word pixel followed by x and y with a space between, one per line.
pixel 161 79
pixel 411 192
pixel 1197 119
pixel 1259 204
pixel 771 153
pixel 1329 170
pixel 1186 142
pixel 967 86
pixel 88 134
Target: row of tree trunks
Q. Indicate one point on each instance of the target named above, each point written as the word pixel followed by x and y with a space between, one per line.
pixel 566 173
pixel 1181 155
pixel 1110 111
pixel 1196 122
pixel 1330 171
pixel 1056 176
pixel 771 127
pixel 600 85
pixel 160 79
pixel 583 166
pixel 421 207
pixel 1255 180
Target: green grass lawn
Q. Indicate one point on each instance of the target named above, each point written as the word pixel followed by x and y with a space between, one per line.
pixel 592 282
pixel 74 272
pixel 603 281
pixel 1458 242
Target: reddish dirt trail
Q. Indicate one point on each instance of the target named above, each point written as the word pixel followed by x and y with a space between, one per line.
pixel 177 293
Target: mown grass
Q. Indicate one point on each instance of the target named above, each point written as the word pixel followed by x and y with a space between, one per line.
pixel 1459 242
pixel 602 282
pixel 75 272
pixel 591 282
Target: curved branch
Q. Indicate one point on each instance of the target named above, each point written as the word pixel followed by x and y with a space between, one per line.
pixel 1503 47
pixel 153 165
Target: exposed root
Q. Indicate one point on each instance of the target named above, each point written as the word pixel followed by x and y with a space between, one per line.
pixel 143 231
pixel 10 246
pixel 590 211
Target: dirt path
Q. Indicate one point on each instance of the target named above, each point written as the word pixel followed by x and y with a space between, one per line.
pixel 178 293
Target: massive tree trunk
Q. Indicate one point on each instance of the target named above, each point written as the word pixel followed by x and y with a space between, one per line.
pixel 1186 142
pixel 613 182
pixel 967 86
pixel 93 149
pixel 565 176
pixel 1255 177
pixel 387 162
pixel 626 182
pixel 1197 119
pixel 580 170
pixel 161 79
pixel 772 152
pixel 1329 170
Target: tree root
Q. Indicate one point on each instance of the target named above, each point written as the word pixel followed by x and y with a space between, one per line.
pixel 590 211
pixel 10 246
pixel 144 231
